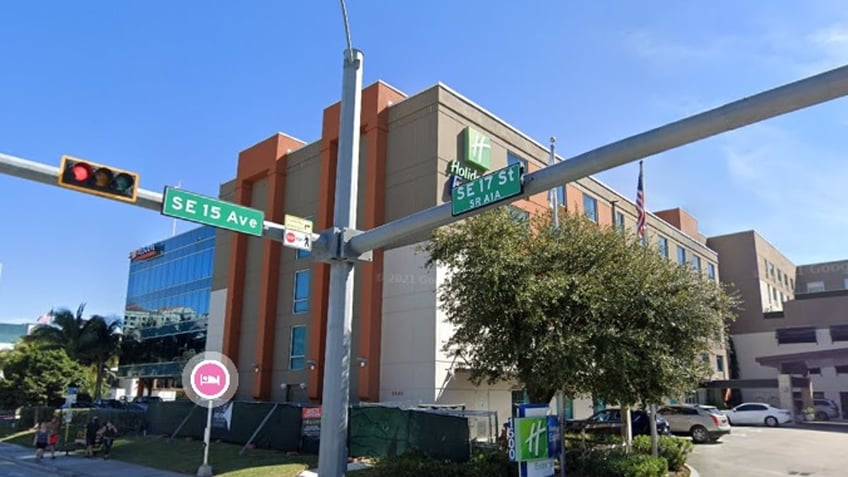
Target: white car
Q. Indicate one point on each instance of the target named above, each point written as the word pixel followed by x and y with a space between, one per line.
pixel 757 413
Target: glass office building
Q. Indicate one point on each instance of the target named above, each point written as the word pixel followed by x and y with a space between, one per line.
pixel 167 308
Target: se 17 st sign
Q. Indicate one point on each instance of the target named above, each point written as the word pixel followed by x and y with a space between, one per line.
pixel 495 187
pixel 185 205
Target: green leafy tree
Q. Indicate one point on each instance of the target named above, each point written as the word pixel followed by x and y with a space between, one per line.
pixel 578 307
pixel 34 376
pixel 89 341
pixel 101 344
pixel 67 332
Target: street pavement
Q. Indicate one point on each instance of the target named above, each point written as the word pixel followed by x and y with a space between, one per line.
pixel 17 461
pixel 809 449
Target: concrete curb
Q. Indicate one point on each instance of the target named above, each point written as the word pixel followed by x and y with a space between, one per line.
pixel 692 471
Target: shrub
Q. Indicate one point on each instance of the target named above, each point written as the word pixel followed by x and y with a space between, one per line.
pixel 488 463
pixel 672 449
pixel 615 463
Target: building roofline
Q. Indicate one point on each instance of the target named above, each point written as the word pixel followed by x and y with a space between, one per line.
pixel 757 234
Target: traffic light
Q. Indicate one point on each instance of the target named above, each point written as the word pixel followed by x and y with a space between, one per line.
pixel 97 179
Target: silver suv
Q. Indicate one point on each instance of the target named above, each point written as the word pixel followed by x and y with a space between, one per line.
pixel 826 409
pixel 700 423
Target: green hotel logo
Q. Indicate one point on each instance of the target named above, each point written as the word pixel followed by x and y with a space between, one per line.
pixel 478 148
pixel 531 438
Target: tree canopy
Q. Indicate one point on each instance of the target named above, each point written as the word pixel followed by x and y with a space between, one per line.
pixel 579 307
pixel 88 341
pixel 38 376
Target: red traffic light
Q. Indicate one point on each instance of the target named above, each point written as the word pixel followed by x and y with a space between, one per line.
pixel 97 179
pixel 81 172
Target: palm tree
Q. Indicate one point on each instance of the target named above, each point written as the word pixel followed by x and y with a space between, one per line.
pixel 90 341
pixel 101 343
pixel 65 332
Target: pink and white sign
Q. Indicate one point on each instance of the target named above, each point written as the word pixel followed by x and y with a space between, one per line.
pixel 210 379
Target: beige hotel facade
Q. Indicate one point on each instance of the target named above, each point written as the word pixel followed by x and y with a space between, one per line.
pixel 269 303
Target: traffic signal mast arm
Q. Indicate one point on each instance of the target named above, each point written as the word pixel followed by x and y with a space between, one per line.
pixel 148 199
pixel 768 104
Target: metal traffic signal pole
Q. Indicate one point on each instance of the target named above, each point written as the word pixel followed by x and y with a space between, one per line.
pixel 332 452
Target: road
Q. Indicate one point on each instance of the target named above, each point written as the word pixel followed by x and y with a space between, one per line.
pixel 815 451
pixel 10 468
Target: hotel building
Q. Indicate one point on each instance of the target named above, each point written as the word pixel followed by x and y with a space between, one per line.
pixel 269 303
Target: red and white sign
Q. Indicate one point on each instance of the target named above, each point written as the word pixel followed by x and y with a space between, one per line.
pixel 298 240
pixel 210 379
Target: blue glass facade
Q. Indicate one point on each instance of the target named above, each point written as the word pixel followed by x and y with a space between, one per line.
pixel 167 308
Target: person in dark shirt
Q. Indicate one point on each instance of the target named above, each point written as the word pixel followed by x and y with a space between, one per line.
pixel 109 432
pixel 91 435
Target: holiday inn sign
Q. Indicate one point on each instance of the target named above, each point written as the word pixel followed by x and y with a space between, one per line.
pixel 477 150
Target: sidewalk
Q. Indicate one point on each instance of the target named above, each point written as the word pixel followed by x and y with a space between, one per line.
pixel 77 465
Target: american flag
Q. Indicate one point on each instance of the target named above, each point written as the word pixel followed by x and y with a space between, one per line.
pixel 641 219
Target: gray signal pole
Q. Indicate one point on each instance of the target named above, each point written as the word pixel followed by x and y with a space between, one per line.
pixel 332 451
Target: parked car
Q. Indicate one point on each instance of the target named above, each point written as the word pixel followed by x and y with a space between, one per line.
pixel 109 404
pixel 757 413
pixel 141 402
pixel 608 421
pixel 700 423
pixel 826 409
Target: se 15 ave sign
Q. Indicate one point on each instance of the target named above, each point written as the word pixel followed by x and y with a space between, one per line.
pixel 499 185
pixel 185 205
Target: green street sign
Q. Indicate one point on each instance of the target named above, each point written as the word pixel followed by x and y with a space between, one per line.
pixel 497 186
pixel 204 210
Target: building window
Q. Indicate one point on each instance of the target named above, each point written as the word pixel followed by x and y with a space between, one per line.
pixel 696 263
pixel 842 369
pixel 845 283
pixel 815 287
pixel 774 294
pixel 792 284
pixel 512 158
pixel 662 244
pixel 300 303
pixel 765 267
pixel 779 276
pixel 590 207
pixel 619 222
pixel 796 335
pixel 711 271
pixel 838 333
pixel 705 357
pixel 297 351
pixel 720 364
pixel 814 371
pixel 681 255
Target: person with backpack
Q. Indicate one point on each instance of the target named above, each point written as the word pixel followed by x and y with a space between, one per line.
pixel 39 440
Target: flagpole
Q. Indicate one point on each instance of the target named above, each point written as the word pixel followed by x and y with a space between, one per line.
pixel 553 200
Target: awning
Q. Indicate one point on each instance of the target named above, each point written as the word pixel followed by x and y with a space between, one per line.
pixel 801 363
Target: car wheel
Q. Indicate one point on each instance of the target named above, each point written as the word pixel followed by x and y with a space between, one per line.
pixel 771 421
pixel 699 434
pixel 822 416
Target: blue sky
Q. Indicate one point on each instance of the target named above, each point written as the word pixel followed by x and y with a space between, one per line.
pixel 174 90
